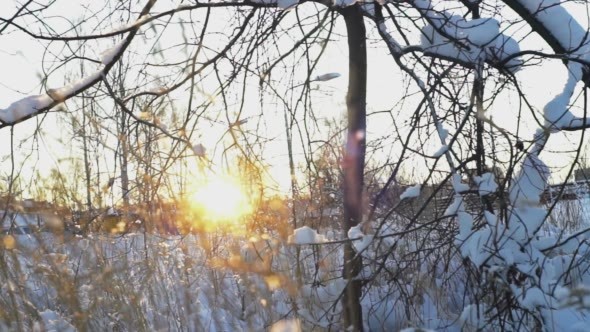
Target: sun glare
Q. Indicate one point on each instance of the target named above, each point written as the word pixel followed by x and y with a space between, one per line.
pixel 221 199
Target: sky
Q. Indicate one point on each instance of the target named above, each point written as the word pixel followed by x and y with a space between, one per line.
pixel 21 69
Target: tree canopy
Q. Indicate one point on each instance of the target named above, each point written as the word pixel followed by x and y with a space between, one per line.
pixel 441 167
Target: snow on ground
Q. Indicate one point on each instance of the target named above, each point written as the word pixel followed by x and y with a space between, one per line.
pixel 209 282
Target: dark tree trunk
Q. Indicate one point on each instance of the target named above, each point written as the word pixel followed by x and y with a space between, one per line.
pixel 124 139
pixel 87 171
pixel 354 160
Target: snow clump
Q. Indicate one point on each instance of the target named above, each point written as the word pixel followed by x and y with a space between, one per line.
pixel 487 184
pixel 360 240
pixel 411 192
pixel 306 235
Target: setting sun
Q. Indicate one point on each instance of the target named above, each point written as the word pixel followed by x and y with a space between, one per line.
pixel 221 199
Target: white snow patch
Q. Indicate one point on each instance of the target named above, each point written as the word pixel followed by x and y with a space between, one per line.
pixel 458 186
pixel 530 183
pixel 31 105
pixel 531 298
pixel 525 221
pixel 453 208
pixel 133 24
pixel 443 133
pixel 479 31
pixel 487 183
pixel 491 218
pixel 53 322
pixel 442 150
pixel 107 55
pixel 472 317
pixel 470 41
pixel 25 107
pixel 411 192
pixel 361 241
pixel 326 77
pixel 573 37
pixel 473 247
pixel 503 49
pixel 287 4
pixel 71 89
pixel 556 112
pixel 465 225
pixel 306 235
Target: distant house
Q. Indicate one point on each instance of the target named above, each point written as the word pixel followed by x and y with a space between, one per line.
pixel 28 215
pixel 26 222
pixel 566 191
pixel 582 174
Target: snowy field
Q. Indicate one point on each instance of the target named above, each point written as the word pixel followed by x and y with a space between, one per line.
pixel 458 271
pixel 219 282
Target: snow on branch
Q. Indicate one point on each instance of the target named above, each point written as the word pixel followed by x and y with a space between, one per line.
pixel 565 35
pixel 306 235
pixel 486 184
pixel 530 183
pixel 140 21
pixel 411 192
pixel 32 105
pixel 360 240
pixel 467 41
pixel 25 107
pixel 108 55
pixel 556 21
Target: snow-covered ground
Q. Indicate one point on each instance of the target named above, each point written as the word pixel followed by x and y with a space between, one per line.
pixel 192 283
pixel 414 277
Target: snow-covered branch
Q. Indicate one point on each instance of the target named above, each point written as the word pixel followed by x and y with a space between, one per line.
pixel 32 105
pixel 466 41
pixel 566 36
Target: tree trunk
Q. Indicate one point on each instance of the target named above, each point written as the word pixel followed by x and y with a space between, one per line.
pixel 354 161
pixel 124 160
pixel 87 171
pixel 123 137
